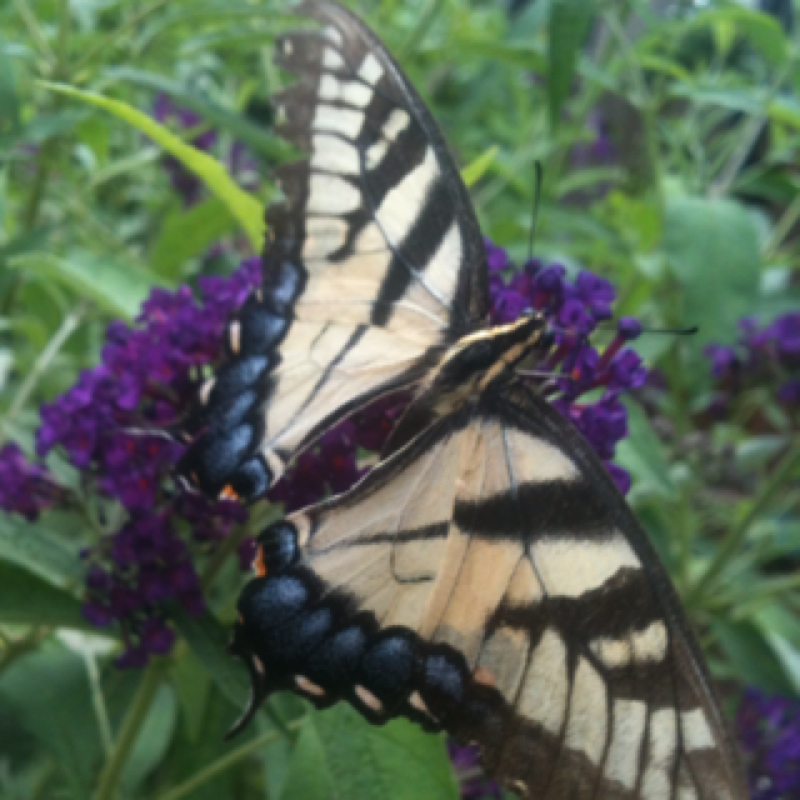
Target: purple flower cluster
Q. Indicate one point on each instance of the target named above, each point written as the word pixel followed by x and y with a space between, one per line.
pixel 109 427
pixel 574 367
pixel 473 783
pixel 26 488
pixel 768 730
pixel 332 465
pixel 596 151
pixel 763 356
pixel 240 160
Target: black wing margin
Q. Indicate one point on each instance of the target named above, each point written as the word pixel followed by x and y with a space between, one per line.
pixel 373 264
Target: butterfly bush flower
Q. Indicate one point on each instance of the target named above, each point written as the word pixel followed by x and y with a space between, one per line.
pixel 768 730
pixel 574 366
pixel 239 159
pixel 766 355
pixel 26 488
pixel 110 427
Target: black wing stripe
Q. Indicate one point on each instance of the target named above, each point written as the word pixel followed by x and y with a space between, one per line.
pixel 569 509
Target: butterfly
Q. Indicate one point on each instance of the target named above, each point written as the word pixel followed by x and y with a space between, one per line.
pixel 486 578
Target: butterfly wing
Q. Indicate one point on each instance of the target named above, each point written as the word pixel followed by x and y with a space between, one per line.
pixel 374 262
pixel 489 580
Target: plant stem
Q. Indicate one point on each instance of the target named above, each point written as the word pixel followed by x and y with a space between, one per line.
pixel 220 765
pixel 66 329
pixel 415 36
pixel 123 29
pixel 108 782
pixel 736 535
pixel 36 33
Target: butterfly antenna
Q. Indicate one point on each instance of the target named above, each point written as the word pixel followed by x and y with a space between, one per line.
pixel 538 173
pixel 689 331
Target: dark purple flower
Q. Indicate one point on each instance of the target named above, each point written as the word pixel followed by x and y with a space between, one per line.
pixel 474 784
pixel 597 150
pixel 496 258
pixel 766 356
pixel 597 293
pixel 26 488
pixel 185 183
pixel 768 729
pixel 789 393
pixel 723 359
pixel 110 426
pixel 786 334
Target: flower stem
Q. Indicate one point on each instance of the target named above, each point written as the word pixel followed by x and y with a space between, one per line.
pixel 108 782
pixel 221 764
pixel 67 328
pixel 736 535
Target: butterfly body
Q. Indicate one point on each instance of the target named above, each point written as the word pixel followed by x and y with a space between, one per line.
pixel 486 578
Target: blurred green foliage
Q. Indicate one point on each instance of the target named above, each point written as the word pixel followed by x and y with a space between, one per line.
pixel 694 219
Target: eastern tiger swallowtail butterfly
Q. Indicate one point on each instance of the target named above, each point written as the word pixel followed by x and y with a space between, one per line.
pixel 486 578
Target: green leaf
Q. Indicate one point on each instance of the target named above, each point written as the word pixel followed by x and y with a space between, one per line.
pixel 28 599
pixel 308 776
pixel 187 234
pixel 763 31
pixel 749 657
pixel 39 549
pixel 244 208
pixel 567 29
pixel 208 639
pixel 9 99
pixel 241 128
pixel 192 683
pixel 712 248
pixel 115 286
pixel 473 172
pixel 153 740
pixel 643 454
pixel 397 761
pixel 781 630
pixel 42 127
pixel 49 692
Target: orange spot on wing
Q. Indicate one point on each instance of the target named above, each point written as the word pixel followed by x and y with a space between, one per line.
pixel 483 676
pixel 258 563
pixel 228 493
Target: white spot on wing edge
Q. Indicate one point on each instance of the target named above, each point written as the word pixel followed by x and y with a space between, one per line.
pixel 371 71
pixel 696 731
pixel 397 122
pixel 376 153
pixel 333 34
pixel 572 567
pixel 331 59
